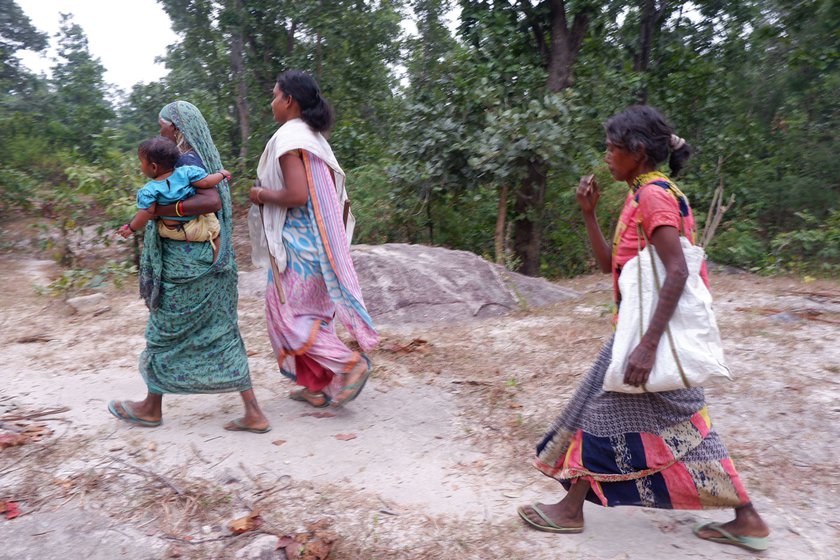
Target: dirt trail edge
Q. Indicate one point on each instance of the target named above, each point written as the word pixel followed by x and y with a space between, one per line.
pixel 431 460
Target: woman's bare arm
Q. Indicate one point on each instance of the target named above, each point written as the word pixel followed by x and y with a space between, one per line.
pixel 296 191
pixel 204 201
pixel 666 240
pixel 587 196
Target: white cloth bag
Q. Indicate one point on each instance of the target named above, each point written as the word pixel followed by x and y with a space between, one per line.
pixel 690 351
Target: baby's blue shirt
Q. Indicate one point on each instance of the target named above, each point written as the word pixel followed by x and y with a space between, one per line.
pixel 172 189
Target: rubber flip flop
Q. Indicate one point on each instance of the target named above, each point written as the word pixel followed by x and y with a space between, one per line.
pixel 755 544
pixel 355 387
pixel 238 426
pixel 129 417
pixel 550 526
pixel 298 396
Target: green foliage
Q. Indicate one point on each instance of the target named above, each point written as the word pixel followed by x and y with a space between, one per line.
pixel 75 280
pixel 751 85
pixel 814 248
pixel 740 244
pixel 16 33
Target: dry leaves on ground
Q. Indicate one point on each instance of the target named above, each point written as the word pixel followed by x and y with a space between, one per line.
pixel 250 522
pixel 9 509
pixel 315 544
pixel 12 435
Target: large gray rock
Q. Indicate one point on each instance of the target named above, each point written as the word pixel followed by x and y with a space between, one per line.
pixel 404 284
pixel 419 284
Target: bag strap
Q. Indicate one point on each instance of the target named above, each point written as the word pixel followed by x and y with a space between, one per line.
pixel 658 286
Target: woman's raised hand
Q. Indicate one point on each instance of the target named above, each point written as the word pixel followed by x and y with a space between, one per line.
pixel 588 193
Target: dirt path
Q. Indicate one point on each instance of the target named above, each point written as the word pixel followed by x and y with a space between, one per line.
pixel 443 435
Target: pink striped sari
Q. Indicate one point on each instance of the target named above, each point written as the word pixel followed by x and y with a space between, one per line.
pixel 320 284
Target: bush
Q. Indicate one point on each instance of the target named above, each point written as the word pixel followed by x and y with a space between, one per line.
pixel 815 248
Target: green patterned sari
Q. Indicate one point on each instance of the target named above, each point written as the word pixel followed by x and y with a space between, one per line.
pixel 193 343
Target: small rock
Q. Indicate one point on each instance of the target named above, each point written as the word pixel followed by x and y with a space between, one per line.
pixel 785 317
pixel 88 304
pixel 263 548
pixel 227 476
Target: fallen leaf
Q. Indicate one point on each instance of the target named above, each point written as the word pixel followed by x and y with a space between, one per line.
pixel 345 437
pixel 33 338
pixel 12 440
pixel 279 441
pixel 244 524
pixel 11 509
pixel 316 544
pixel 412 346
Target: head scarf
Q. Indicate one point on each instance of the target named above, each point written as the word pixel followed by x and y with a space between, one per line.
pixel 191 123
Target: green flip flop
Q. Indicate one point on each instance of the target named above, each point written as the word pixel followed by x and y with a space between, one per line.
pixel 355 387
pixel 238 426
pixel 129 417
pixel 755 544
pixel 300 396
pixel 550 526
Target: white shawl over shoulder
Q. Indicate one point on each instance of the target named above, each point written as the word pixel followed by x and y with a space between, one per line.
pixel 293 135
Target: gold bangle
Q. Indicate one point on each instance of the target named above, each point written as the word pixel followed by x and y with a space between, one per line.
pixel 259 196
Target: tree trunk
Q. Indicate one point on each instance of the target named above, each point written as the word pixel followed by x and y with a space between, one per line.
pixel 429 221
pixel 565 45
pixel 239 78
pixel 560 56
pixel 651 20
pixel 527 231
pixel 501 218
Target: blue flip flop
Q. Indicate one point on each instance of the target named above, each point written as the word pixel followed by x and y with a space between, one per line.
pixel 755 544
pixel 129 417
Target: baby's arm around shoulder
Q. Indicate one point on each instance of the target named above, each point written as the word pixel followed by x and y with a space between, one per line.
pixel 212 179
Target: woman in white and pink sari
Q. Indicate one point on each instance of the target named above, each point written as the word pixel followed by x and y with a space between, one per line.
pixel 301 228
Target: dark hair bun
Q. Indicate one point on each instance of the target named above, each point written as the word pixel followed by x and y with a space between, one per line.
pixel 644 127
pixel 314 109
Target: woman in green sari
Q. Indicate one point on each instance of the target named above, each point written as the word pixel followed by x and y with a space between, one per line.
pixel 193 343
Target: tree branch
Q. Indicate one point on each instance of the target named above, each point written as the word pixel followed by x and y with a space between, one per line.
pixel 536 28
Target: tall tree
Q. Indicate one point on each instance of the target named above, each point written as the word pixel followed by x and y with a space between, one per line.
pixel 16 33
pixel 81 106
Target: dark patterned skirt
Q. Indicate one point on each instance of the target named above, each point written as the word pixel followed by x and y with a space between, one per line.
pixel 652 449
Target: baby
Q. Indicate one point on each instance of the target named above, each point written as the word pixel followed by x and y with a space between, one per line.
pixel 172 185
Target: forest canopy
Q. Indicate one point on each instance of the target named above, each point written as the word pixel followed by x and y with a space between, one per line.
pixel 471 132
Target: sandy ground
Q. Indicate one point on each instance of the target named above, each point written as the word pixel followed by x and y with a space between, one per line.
pixel 442 442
